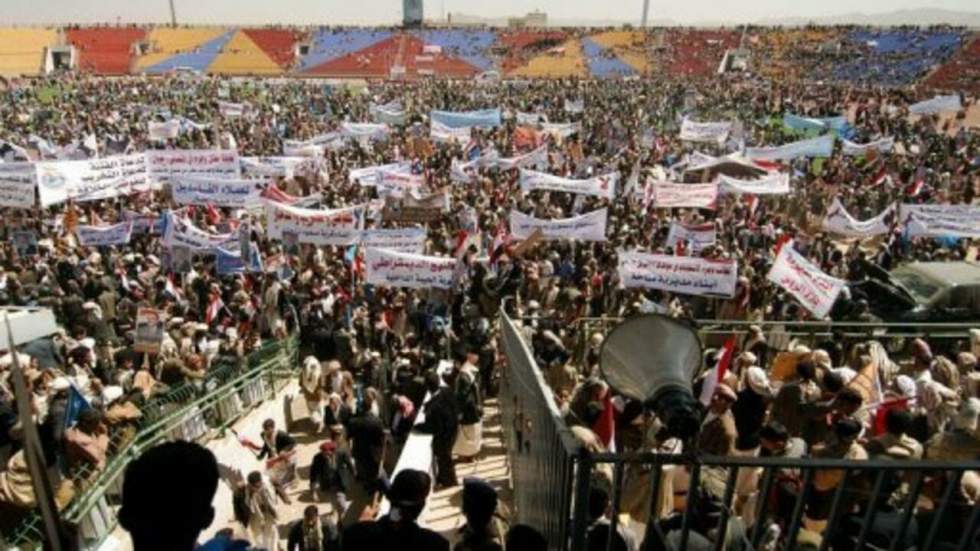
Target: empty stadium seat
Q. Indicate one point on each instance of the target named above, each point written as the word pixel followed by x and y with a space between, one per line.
pixel 471 45
pixel 603 62
pixel 192 48
pixel 331 44
pixel 563 61
pixel 22 50
pixel 104 50
pixel 242 56
pixel 278 44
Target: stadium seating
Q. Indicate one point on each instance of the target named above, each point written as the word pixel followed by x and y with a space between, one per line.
pixel 603 62
pixel 104 50
pixel 892 58
pixel 961 72
pixel 697 52
pixel 563 61
pixel 471 45
pixel 242 56
pixel 192 48
pixel 402 50
pixel 518 47
pixel 22 50
pixel 331 44
pixel 278 44
pixel 629 46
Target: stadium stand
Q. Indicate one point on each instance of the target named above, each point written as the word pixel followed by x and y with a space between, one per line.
pixel 790 54
pixel 892 58
pixel 471 45
pixel 241 55
pixel 193 47
pixel 697 52
pixel 961 72
pixel 562 61
pixel 331 44
pixel 278 44
pixel 603 62
pixel 516 48
pixel 402 50
pixel 104 50
pixel 629 46
pixel 22 50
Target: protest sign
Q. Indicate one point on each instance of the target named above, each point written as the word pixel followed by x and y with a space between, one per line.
pixel 232 262
pixel 937 104
pixel 144 223
pixel 314 226
pixel 364 130
pixel 815 290
pixel 705 131
pixel 669 195
pixel 17 184
pixel 165 165
pixel 389 113
pixel 104 236
pixel 599 186
pixel 180 232
pixel 442 133
pixel 883 145
pixel 394 269
pixel 161 131
pixel 25 242
pixel 821 146
pixel 149 331
pixel 398 184
pixel 537 157
pixel 370 175
pixel 232 110
pixel 697 237
pixel 797 122
pixel 839 222
pixel 312 147
pixel 267 167
pixel 958 221
pixel 484 118
pixel 91 179
pixel 412 210
pixel 586 227
pixel 776 183
pixel 403 240
pixel 192 190
pixel 678 274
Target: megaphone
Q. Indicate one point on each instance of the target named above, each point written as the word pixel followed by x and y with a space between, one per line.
pixel 653 359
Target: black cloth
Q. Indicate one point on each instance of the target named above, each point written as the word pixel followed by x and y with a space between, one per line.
pixel 282 442
pixel 330 537
pixel 386 535
pixel 332 477
pixel 341 417
pixel 750 413
pixel 368 435
pixel 442 422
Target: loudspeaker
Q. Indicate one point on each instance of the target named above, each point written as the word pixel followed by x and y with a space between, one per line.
pixel 653 359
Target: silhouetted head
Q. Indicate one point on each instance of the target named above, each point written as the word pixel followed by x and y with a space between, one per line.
pixel 167 495
pixel 522 537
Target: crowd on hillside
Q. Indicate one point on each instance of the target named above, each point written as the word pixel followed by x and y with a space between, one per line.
pixel 370 354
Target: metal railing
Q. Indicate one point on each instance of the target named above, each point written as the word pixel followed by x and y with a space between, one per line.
pixel 192 411
pixel 669 501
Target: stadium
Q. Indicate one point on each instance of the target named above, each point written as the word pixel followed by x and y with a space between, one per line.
pixel 497 282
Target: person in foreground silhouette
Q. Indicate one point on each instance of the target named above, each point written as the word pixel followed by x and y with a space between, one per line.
pixel 398 531
pixel 167 495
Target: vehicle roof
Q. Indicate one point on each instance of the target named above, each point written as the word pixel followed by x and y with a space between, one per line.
pixel 951 273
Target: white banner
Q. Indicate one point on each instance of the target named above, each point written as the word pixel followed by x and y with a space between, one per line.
pixel 442 133
pixel 776 183
pixel 312 147
pixel 938 104
pixel 265 167
pixel 369 175
pixel 538 157
pixel 883 145
pixel 208 163
pixel 815 290
pixel 17 184
pixel 697 236
pixel 319 227
pixel 397 184
pixel 403 240
pixel 561 130
pixel 574 106
pixel 821 146
pixel 180 232
pixel 590 226
pixel 390 113
pixel 838 221
pixel 669 195
pixel 960 221
pixel 103 236
pixel 530 118
pixel 599 186
pixel 232 110
pixel 688 275
pixel 189 190
pixel 394 269
pixel 161 131
pixel 716 132
pixel 92 179
pixel 364 130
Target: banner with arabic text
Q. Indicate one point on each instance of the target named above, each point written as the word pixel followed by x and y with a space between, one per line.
pixel 590 226
pixel 688 275
pixel 814 289
pixel 395 269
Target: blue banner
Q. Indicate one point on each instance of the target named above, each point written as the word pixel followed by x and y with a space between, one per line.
pixel 460 119
pixel 228 262
pixel 814 147
pixel 75 406
pixel 797 122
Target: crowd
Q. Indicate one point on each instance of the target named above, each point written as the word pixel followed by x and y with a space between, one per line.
pixel 370 354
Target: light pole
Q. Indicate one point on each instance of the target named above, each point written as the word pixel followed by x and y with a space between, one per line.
pixel 173 14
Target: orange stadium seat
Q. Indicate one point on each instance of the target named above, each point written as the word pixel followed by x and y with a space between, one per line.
pixel 22 50
pixel 104 50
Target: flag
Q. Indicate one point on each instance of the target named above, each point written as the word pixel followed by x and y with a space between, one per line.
pixel 273 193
pixel 605 426
pixel 170 288
pixel 354 259
pixel 75 406
pixel 915 188
pixel 880 176
pixel 783 239
pixel 214 217
pixel 214 308
pixel 717 374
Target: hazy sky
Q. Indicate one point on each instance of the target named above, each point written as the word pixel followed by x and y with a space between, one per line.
pixel 388 11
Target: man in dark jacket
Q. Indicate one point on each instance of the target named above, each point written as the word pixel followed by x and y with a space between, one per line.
pixel 398 530
pixel 330 472
pixel 312 534
pixel 442 422
pixel 368 435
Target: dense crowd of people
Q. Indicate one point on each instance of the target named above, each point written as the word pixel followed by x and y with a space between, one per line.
pixel 370 355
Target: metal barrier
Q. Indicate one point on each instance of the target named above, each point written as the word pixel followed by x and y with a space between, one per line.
pixel 190 412
pixel 681 502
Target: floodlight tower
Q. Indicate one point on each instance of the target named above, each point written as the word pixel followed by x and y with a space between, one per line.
pixel 173 14
pixel 646 10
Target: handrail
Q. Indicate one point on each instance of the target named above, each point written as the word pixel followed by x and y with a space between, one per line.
pixel 260 362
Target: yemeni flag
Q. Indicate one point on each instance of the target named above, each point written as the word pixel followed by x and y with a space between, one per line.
pixel 214 308
pixel 273 193
pixel 605 426
pixel 717 374
pixel 214 217
pixel 880 177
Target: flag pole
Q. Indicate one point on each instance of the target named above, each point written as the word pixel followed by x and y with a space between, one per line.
pixel 32 449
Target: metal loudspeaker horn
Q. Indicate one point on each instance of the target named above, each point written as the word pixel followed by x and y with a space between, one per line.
pixel 654 359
